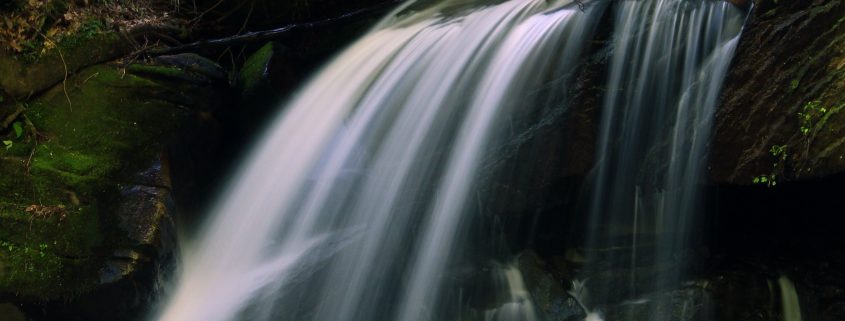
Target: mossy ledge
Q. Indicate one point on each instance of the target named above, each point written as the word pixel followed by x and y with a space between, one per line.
pixel 88 193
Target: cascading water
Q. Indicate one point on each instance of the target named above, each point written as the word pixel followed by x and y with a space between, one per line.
pixel 355 204
pixel 668 63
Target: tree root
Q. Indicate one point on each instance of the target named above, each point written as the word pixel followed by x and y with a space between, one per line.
pixel 11 118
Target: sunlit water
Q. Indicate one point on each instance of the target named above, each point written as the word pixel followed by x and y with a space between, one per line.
pixel 354 204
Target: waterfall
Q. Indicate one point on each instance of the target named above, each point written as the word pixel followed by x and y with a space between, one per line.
pixel 353 205
pixel 789 300
pixel 356 203
pixel 669 60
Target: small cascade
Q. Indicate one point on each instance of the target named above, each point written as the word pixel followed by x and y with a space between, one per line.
pixel 789 300
pixel 518 306
pixel 669 60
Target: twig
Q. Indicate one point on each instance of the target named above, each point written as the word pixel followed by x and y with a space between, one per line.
pixel 199 17
pixel 263 35
pixel 61 56
pixel 35 134
pixel 64 81
pixel 11 118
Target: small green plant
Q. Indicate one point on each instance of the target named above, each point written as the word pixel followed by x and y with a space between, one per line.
pixel 779 151
pixel 18 128
pixel 781 154
pixel 769 180
pixel 810 115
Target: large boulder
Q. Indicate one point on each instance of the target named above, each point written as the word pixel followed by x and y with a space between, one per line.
pixel 20 79
pixel 88 213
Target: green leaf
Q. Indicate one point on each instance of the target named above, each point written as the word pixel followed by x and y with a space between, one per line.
pixel 18 127
pixel 8 143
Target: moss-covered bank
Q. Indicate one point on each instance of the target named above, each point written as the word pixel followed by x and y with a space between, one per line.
pixel 85 175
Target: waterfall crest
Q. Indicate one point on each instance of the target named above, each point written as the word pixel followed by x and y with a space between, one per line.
pixel 353 204
pixel 356 203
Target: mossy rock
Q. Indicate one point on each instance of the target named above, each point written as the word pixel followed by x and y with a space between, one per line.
pixel 21 78
pixel 87 185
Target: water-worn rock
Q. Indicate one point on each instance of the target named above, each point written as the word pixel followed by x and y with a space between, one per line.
pixel 733 288
pixel 784 91
pixel 88 218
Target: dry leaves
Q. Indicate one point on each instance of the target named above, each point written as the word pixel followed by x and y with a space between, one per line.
pixel 38 25
pixel 45 212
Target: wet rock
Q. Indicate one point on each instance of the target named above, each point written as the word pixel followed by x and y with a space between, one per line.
pixel 10 312
pixel 740 3
pixel 548 285
pixel 784 90
pixel 194 68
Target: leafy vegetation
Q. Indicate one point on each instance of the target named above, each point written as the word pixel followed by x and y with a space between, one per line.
pixel 811 119
pixel 31 28
pixel 781 155
pixel 810 115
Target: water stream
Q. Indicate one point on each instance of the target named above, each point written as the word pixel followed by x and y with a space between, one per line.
pixel 669 60
pixel 355 204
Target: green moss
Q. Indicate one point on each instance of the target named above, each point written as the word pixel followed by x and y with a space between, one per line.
pixel 26 264
pixel 88 31
pixel 253 76
pixel 88 149
pixel 165 71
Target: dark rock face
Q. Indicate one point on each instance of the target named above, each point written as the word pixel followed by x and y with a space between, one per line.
pixel 265 14
pixel 785 89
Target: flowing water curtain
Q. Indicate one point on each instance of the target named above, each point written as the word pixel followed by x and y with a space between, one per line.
pixel 353 204
pixel 669 60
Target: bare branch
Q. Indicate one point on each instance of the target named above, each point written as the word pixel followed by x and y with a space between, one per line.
pixel 265 34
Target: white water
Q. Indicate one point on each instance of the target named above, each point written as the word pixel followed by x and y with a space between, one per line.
pixel 519 306
pixel 353 204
